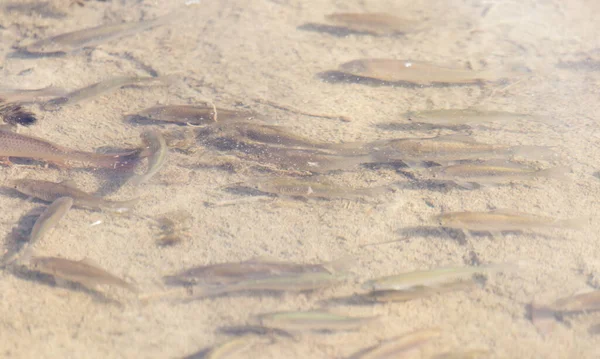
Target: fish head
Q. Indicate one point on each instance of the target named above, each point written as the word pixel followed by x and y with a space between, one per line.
pixel 21 185
pixel 46 46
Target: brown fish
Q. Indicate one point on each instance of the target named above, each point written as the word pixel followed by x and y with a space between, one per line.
pixel 502 220
pixel 30 95
pixel 98 88
pixel 373 23
pixel 192 115
pixel 232 272
pixel 83 272
pixel 16 145
pixel 94 36
pixel 450 148
pixel 51 191
pixel 416 72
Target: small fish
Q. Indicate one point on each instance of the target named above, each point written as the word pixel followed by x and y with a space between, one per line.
pixel 464 354
pixel 44 223
pixel 373 23
pixel 94 36
pixel 502 220
pixel 429 278
pixel 416 72
pixel 17 145
pixel 398 347
pixel 157 147
pixel 30 95
pixel 450 148
pixel 230 348
pixel 582 302
pixel 51 191
pixel 465 116
pixel 318 189
pixel 13 114
pixel 312 321
pixel 192 115
pixel 98 88
pixel 493 172
pixel 300 282
pixel 83 272
pixel 50 218
pixel 255 268
pixel 419 292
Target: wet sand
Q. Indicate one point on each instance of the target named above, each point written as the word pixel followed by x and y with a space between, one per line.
pixel 233 52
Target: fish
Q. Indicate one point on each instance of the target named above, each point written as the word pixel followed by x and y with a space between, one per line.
pixel 429 278
pixel 83 272
pixel 582 302
pixel 416 72
pixel 493 172
pixel 465 116
pixel 157 147
pixel 464 354
pixel 44 223
pixel 91 37
pixel 30 95
pixel 254 268
pixel 299 282
pixel 397 347
pixel 13 144
pixel 51 191
pixel 450 148
pixel 318 189
pixel 98 88
pixel 50 218
pixel 502 220
pixel 373 23
pixel 312 321
pixel 192 115
pixel 230 348
pixel 418 292
pixel 13 114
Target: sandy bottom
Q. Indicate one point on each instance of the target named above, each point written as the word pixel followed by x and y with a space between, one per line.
pixel 233 52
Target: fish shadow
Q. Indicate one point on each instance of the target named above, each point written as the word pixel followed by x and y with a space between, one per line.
pixel 353 300
pixel 240 330
pixel 20 233
pixel 420 126
pixel 454 234
pixel 338 31
pixel 339 77
pixel 201 354
pixel 596 174
pixel 24 273
pixel 432 185
pixel 22 53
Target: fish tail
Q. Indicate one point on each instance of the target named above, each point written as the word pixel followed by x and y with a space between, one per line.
pixel 122 206
pixel 573 223
pixel 559 173
pixel 534 152
pixel 340 264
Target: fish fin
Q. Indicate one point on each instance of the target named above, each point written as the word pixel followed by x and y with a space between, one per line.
pixel 573 223
pixel 496 235
pixel 339 265
pixel 456 137
pixel 559 173
pixel 90 262
pixel 263 259
pixel 466 185
pixel 122 206
pixel 534 152
pixel 69 183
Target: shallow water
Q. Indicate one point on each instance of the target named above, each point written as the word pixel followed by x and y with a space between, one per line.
pixel 268 58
